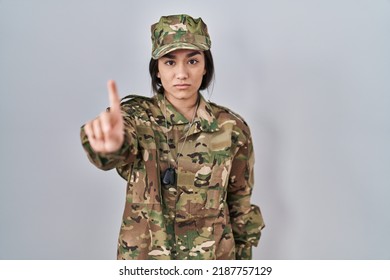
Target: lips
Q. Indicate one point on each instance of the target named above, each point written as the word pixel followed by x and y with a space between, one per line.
pixel 182 86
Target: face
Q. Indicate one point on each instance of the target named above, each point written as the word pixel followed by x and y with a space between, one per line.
pixel 181 73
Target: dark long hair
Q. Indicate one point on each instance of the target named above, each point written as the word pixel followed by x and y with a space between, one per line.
pixel 206 81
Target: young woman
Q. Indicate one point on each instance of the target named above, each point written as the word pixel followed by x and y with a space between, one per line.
pixel 188 163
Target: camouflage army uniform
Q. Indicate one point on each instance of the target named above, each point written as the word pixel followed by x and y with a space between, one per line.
pixel 207 213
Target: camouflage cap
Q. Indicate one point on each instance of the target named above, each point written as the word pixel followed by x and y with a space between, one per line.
pixel 179 32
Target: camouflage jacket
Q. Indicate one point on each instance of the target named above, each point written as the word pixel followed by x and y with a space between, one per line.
pixel 206 213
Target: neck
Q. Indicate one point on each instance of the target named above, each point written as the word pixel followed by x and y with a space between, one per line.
pixel 186 107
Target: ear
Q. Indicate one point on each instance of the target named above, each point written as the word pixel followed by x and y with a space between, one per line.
pixel 158 75
pixel 204 72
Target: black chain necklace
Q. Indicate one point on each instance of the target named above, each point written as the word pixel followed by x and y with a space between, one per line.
pixel 168 177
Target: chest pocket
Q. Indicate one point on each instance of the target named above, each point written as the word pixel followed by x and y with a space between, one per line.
pixel 204 172
pixel 200 194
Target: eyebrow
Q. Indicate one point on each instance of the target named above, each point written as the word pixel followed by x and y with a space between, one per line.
pixel 172 56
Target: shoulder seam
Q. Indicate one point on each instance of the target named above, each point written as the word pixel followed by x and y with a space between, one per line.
pixel 229 111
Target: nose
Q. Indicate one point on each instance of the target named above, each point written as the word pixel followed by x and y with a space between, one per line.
pixel 181 71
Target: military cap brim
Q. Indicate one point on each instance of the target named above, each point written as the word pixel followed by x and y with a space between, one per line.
pixel 158 53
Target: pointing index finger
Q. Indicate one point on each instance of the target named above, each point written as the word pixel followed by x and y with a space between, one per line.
pixel 113 96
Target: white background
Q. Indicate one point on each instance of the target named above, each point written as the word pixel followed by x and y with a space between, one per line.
pixel 310 77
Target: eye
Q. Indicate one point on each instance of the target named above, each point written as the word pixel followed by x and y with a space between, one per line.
pixel 193 61
pixel 169 62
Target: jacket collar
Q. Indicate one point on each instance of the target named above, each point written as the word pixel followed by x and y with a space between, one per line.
pixel 204 121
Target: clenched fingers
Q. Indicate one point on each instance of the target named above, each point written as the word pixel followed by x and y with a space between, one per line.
pixel 105 133
pixel 95 135
pixel 97 129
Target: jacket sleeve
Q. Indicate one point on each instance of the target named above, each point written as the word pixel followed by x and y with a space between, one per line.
pixel 246 219
pixel 125 155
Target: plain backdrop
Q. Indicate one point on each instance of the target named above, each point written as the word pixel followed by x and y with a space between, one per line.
pixel 311 78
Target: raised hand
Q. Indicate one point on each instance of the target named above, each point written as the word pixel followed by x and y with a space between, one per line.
pixel 106 132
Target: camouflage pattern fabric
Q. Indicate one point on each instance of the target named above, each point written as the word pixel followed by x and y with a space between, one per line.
pixel 207 213
pixel 179 32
